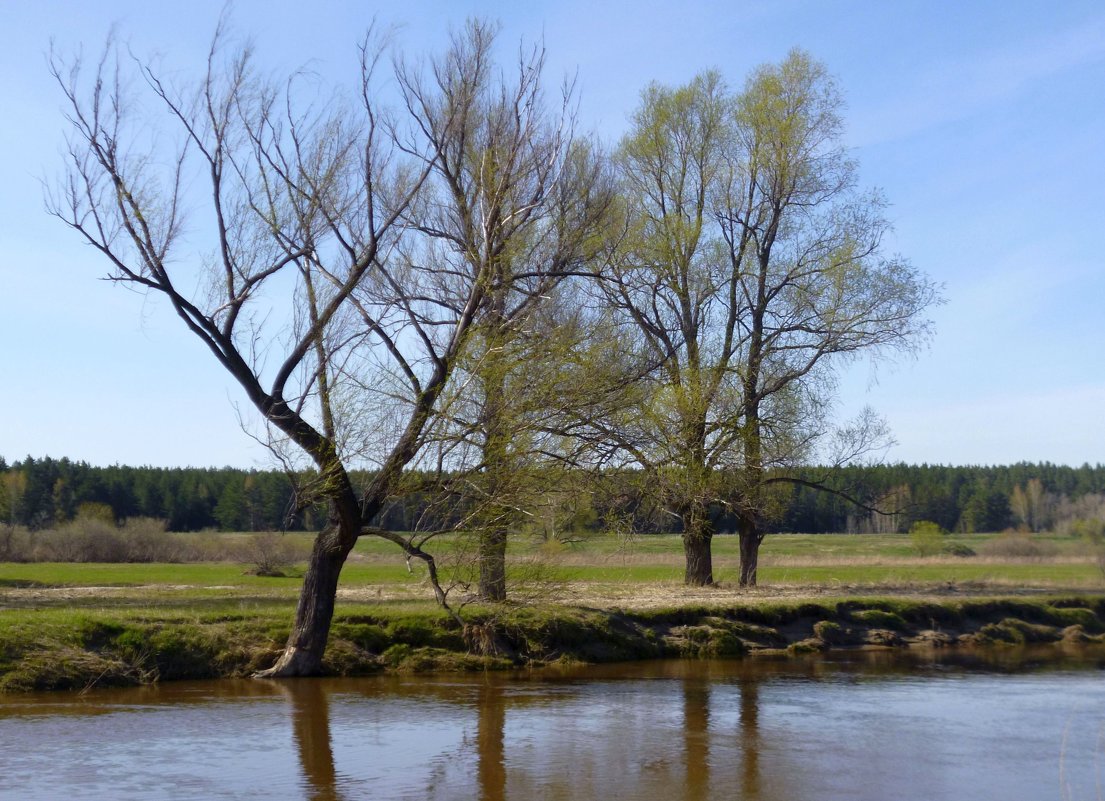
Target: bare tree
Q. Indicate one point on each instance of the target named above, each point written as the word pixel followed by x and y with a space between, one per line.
pixel 1032 506
pixel 279 227
pixel 513 203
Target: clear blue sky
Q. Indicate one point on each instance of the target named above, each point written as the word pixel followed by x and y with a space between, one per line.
pixel 983 123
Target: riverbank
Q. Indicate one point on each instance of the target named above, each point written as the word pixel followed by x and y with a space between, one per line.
pixel 184 636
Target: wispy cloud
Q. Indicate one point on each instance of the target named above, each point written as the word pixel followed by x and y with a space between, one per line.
pixel 974 82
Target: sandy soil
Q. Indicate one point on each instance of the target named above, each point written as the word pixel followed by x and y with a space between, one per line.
pixel 598 595
pixel 644 596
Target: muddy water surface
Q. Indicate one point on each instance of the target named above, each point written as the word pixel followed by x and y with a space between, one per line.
pixel 855 726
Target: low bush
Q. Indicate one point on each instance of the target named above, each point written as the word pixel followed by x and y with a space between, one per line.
pixel 270 554
pixel 957 549
pixel 1091 530
pixel 14 544
pixel 92 539
pixel 927 538
pixel 1017 546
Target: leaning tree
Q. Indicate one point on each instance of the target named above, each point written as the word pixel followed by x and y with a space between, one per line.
pixel 290 228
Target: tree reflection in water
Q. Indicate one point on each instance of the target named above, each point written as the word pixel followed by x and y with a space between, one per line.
pixel 485 753
pixel 749 737
pixel 696 736
pixel 490 747
pixel 754 730
pixel 310 702
pixel 697 751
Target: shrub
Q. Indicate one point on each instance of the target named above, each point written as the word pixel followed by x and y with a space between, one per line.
pixel 15 544
pixel 1090 530
pixel 83 540
pixel 926 537
pixel 957 549
pixel 92 539
pixel 270 554
pixel 144 540
pixel 1017 546
pixel 91 510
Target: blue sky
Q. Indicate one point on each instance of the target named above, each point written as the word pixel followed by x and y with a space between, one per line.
pixel 982 122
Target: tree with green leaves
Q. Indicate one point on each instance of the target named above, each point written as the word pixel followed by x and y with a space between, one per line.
pixel 751 267
pixel 663 280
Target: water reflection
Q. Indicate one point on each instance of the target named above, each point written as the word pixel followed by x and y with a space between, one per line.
pixel 750 738
pixel 696 736
pixel 520 739
pixel 490 743
pixel 310 702
pixel 857 726
pixel 494 698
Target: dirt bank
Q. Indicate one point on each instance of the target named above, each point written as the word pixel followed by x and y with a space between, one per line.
pixel 42 650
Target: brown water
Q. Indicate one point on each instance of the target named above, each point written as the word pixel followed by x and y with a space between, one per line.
pixel 858 726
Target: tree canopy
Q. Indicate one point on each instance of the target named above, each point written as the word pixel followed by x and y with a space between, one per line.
pixel 750 267
pixel 455 295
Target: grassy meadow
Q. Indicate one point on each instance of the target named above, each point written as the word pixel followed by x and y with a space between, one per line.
pixel 788 562
pixel 73 625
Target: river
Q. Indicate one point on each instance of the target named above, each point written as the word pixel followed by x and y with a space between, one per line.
pixel 1006 725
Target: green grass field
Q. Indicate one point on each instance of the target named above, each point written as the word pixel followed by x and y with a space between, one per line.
pixel 72 625
pixel 819 562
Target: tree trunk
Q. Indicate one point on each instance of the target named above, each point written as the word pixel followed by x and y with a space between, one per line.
pixel 307 642
pixel 492 559
pixel 697 539
pixel 750 539
pixel 498 430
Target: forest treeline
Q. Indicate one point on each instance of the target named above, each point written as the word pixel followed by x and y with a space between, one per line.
pixel 41 493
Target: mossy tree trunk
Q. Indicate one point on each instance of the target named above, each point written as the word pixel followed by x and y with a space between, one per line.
pixel 495 363
pixel 492 559
pixel 698 533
